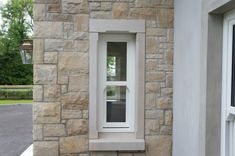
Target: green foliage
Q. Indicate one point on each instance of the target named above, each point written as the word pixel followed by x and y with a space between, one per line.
pixel 16 93
pixel 17 26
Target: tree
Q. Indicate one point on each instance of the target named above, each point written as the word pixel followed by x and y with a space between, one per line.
pixel 17 26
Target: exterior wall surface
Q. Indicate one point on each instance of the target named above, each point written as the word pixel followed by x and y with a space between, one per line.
pixel 61 37
pixel 198 54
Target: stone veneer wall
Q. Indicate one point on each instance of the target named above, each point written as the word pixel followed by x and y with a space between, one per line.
pixel 61 73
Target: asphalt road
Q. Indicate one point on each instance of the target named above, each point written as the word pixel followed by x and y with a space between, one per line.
pixel 15 129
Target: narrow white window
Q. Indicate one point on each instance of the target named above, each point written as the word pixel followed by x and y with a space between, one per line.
pixel 116 82
pixel 116 85
pixel 228 91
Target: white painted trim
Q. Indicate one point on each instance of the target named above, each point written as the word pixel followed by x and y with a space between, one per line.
pixel 127 126
pixel 117 26
pixel 128 26
pixel 93 127
pixel 227 111
pixel 117 145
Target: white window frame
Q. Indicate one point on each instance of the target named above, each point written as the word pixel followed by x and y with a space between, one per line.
pixel 127 126
pixel 122 140
pixel 227 111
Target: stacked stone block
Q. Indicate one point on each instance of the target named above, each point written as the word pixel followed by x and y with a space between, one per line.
pixel 61 46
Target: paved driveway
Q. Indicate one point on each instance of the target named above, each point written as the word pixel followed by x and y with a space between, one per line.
pixel 15 129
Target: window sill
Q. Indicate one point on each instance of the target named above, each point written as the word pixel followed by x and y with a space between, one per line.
pixel 117 145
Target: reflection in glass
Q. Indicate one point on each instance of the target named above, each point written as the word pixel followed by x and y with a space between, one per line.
pixel 116 103
pixel 116 61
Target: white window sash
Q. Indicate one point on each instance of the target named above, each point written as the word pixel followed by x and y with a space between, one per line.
pixel 227 111
pixel 127 126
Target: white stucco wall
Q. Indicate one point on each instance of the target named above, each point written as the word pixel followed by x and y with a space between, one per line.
pixel 197 76
pixel 187 68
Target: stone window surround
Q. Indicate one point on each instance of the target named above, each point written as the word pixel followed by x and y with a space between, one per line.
pixel 121 141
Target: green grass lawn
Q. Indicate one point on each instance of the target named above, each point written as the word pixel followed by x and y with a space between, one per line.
pixel 7 102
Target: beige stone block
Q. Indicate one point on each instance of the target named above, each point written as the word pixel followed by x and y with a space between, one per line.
pixel 151 24
pixel 37 132
pixel 53 130
pixel 69 46
pixel 48 29
pixel 165 67
pixel 77 36
pixel 54 45
pixel 46 112
pixel 125 154
pixel 167 2
pixel 169 80
pixel 74 144
pixel 165 17
pixel 155 114
pixel 167 92
pixel 94 6
pixel 38 47
pixel 85 114
pixel 104 154
pixel 170 35
pixel 151 64
pixel 164 103
pixel 155 76
pixel 64 89
pixel 46 1
pixel 168 117
pixel 45 148
pixel 73 63
pixel 53 8
pixel 50 57
pixel 156 32
pixel 37 93
pixel 160 145
pixel 152 127
pixel 58 17
pixel 105 6
pixel 45 74
pixel 153 87
pixel 78 6
pixel 142 13
pixel 154 56
pixel 78 83
pixel 51 138
pixel 75 100
pixel 39 12
pixel 82 45
pixel 120 10
pixel 72 114
pixel 152 45
pixel 81 23
pixel 150 101
pixel 166 130
pixel 77 126
pixel 52 93
pixel 147 3
pixel 63 79
pixel 169 57
pixel 101 14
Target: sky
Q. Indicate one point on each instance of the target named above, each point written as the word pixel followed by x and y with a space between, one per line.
pixel 2 2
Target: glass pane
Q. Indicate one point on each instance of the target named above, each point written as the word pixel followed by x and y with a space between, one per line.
pixel 116 103
pixel 116 61
pixel 233 71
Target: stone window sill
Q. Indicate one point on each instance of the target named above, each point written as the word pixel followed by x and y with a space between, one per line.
pixel 117 145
